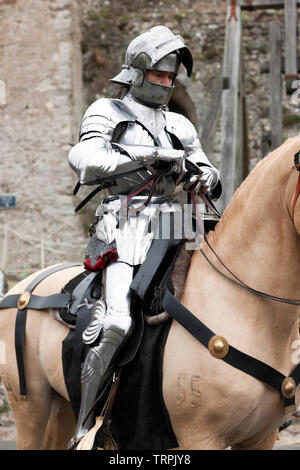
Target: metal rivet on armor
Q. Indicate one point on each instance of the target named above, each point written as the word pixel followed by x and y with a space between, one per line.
pixel 288 387
pixel 23 300
pixel 218 347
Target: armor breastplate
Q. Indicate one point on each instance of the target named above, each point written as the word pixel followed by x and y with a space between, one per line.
pixel 148 129
pixel 128 122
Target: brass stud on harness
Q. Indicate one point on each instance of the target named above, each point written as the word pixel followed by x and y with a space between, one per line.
pixel 218 347
pixel 288 387
pixel 23 300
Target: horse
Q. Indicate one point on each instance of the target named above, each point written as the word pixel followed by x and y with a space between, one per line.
pixel 211 405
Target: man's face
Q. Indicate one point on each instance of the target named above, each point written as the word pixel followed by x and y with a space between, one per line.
pixel 160 77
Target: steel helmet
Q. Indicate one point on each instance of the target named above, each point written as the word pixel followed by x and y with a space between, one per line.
pixel 156 49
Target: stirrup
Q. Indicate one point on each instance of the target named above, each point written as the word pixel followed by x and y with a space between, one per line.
pixel 88 440
pixel 73 443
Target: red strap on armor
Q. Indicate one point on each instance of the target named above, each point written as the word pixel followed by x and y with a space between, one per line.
pixel 109 256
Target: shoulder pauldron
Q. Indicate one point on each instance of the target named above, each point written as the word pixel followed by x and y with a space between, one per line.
pixel 183 129
pixel 102 117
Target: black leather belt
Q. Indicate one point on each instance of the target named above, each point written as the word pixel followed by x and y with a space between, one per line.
pixel 24 301
pixel 35 301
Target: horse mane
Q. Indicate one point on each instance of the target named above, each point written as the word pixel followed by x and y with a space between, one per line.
pixel 241 191
pixel 228 211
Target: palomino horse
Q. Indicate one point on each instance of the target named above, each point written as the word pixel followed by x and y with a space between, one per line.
pixel 211 404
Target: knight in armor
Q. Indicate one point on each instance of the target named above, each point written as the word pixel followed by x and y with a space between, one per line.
pixel 125 143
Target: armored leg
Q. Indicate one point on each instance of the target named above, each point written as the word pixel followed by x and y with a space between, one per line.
pixel 112 323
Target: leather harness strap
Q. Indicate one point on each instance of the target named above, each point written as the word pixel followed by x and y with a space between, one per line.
pixel 37 302
pixel 234 357
pixel 23 302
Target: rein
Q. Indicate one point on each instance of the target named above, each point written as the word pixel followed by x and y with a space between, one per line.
pixel 153 179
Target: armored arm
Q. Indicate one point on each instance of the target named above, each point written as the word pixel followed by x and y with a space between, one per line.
pixel 200 171
pixel 207 179
pixel 96 157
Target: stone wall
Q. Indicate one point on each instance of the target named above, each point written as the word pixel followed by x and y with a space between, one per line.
pixel 40 65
